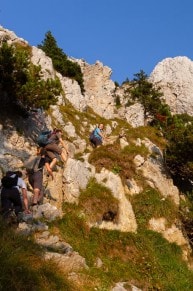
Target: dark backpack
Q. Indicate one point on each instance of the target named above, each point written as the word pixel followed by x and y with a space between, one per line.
pixel 8 181
pixel 43 138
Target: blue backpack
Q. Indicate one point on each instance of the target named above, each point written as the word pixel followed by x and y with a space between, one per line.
pixel 43 138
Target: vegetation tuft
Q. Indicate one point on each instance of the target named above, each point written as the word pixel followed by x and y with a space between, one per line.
pixel 117 160
pixel 150 203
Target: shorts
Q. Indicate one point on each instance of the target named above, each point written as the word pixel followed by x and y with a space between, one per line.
pixel 51 149
pixel 36 180
pixel 52 155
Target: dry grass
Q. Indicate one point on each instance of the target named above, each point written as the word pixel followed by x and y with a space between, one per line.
pixel 114 159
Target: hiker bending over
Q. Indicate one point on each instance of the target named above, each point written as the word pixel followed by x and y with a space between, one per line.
pixel 10 195
pixel 23 188
pixel 35 175
pixel 53 147
pixel 98 135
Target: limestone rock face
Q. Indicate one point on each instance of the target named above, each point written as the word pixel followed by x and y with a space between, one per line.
pixel 99 88
pixel 126 220
pixel 134 115
pixel 76 175
pixel 39 58
pixel 10 36
pixel 154 172
pixel 175 77
pixel 72 92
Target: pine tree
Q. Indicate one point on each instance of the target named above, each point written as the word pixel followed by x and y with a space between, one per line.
pixel 60 60
pixel 144 92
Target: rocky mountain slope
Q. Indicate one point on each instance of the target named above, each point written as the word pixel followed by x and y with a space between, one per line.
pixel 175 77
pixel 128 182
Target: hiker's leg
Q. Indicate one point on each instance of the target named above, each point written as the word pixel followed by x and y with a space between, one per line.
pixel 53 163
pixel 38 180
pixel 64 156
pixel 16 200
pixel 36 196
pixel 98 142
pixel 6 203
pixel 55 148
pixel 41 195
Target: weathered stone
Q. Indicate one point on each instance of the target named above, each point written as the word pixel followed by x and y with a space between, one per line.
pixel 126 219
pixel 77 175
pixel 175 78
pixel 68 263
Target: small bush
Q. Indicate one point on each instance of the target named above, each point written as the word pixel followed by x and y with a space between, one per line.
pixel 21 83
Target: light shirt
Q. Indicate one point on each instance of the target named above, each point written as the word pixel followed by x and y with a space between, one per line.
pixel 20 183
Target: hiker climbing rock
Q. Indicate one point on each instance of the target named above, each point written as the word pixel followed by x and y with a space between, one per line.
pixel 34 169
pixel 23 188
pixel 53 147
pixel 97 136
pixel 10 195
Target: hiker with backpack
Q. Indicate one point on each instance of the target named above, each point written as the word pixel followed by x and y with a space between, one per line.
pixel 53 147
pixel 10 194
pixel 23 188
pixel 34 170
pixel 97 136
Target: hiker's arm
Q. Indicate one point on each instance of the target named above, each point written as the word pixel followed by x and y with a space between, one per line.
pixel 101 134
pixel 47 165
pixel 63 145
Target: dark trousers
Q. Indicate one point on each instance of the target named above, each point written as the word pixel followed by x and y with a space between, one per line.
pixel 10 199
pixel 96 141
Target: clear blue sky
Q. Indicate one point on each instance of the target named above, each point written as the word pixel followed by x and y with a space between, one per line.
pixel 125 35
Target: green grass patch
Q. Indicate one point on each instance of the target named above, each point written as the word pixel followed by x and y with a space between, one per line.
pixel 141 132
pixel 144 259
pixel 150 203
pixel 149 132
pixel 133 150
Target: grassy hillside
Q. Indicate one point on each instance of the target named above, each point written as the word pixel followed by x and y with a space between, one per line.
pixel 23 266
pixel 144 259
